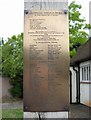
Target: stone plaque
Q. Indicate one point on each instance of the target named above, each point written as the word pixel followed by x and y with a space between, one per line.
pixel 46 61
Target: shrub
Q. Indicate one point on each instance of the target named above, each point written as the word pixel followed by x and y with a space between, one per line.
pixel 12 63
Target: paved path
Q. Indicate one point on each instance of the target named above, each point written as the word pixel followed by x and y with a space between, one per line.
pixel 14 105
pixel 79 111
pixel 76 110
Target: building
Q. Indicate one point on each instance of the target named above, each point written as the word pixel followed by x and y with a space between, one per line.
pixel 80 75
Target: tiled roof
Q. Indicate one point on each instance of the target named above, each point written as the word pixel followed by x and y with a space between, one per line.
pixel 83 53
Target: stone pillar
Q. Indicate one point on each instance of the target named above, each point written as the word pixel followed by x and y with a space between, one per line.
pixel 45 5
pixel 45 115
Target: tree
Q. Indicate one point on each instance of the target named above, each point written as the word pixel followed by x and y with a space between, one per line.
pixel 77 26
pixel 12 49
pixel 1 44
pixel 12 63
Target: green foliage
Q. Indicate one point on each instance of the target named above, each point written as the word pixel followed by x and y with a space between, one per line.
pixel 0 60
pixel 77 34
pixel 1 44
pixel 12 114
pixel 12 63
pixel 12 49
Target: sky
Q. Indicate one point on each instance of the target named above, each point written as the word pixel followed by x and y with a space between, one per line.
pixel 12 16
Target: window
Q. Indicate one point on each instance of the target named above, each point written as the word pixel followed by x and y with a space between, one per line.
pixel 85 72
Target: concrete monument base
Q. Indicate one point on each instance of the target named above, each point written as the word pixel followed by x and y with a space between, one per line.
pixel 45 115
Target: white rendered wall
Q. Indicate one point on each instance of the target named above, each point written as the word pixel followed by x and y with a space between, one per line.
pixel 85 94
pixel 85 88
pixel 73 85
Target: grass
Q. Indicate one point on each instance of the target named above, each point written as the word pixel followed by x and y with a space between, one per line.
pixel 0 114
pixel 12 113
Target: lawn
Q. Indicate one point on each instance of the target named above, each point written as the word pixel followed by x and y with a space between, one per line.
pixel 12 113
pixel 0 113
